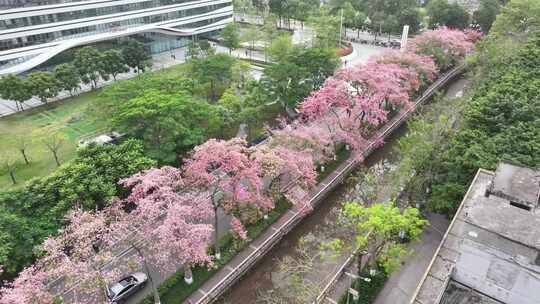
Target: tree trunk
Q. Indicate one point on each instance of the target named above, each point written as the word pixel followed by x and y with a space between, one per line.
pixel 188 275
pixel 56 158
pixel 12 177
pixel 23 152
pixel 150 279
pixel 216 235
pixel 212 93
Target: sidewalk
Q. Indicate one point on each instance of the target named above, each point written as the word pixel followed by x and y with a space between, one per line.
pixel 401 285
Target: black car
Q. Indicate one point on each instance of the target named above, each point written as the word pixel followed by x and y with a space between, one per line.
pixel 124 288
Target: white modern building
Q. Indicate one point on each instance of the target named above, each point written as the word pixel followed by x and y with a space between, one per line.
pixel 34 31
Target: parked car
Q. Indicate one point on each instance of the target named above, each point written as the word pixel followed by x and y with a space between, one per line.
pixel 120 291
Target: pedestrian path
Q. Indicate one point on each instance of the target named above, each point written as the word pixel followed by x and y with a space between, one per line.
pixel 233 271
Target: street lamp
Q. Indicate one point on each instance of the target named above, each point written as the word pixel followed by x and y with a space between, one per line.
pixel 353 291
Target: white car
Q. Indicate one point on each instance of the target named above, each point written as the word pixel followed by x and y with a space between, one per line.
pixel 120 291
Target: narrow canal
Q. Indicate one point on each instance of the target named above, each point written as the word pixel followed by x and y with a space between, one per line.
pixel 267 276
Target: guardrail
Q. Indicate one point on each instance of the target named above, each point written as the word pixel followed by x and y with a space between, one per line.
pixel 237 272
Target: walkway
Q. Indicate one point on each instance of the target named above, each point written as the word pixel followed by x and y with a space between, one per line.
pixel 241 263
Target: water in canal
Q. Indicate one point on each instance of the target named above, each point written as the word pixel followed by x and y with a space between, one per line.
pixel 267 276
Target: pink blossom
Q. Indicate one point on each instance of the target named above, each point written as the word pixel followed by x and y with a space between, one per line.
pixel 28 288
pixel 238 229
pixel 421 65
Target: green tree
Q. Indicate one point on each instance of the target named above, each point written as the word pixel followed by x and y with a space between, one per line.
pixel 167 123
pixel 279 8
pixel 230 37
pixel 43 85
pixel 251 36
pixel 280 48
pixel 136 56
pixel 67 76
pixel 299 72
pixel 52 138
pixel 501 122
pixel 9 164
pixel 228 111
pixel 326 27
pixel 88 64
pixel 380 230
pixel 206 48
pixel 112 63
pixel 22 141
pixel 441 13
pixel 14 88
pixel 518 18
pixel 486 13
pixel 36 210
pixel 349 16
pixel 411 17
pixel 384 14
pixel 194 50
pixel 16 236
pixel 212 74
pixel 302 9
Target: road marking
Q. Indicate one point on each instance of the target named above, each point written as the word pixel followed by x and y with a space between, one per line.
pixel 253 247
pixel 230 268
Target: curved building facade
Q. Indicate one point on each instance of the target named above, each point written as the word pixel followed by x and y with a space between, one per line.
pixel 34 31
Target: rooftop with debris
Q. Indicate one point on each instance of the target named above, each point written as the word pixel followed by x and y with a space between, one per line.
pixel 490 253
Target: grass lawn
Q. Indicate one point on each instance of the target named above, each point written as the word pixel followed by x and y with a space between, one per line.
pixel 74 117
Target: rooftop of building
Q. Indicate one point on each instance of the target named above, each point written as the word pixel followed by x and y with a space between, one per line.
pixel 490 253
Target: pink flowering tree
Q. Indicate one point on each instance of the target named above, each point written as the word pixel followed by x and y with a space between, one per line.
pixel 238 229
pixel 281 165
pixel 388 84
pixel 423 66
pixel 358 99
pixel 28 288
pixel 233 179
pixel 73 259
pixel 168 223
pixel 446 46
pixel 312 138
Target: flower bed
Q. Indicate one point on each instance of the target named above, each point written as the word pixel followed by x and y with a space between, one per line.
pixel 344 51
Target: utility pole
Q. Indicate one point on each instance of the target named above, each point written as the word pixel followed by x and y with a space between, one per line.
pixel 340 28
pixel 404 38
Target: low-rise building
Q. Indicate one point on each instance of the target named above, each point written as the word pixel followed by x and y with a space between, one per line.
pixel 491 251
